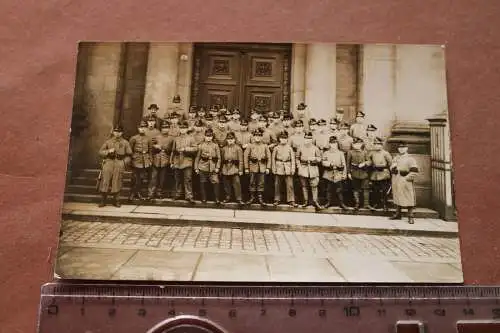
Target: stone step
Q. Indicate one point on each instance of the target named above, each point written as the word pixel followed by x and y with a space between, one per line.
pixel 94 198
pixel 91 181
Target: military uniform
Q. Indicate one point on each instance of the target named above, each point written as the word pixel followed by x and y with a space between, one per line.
pixel 207 165
pixel 220 133
pixel 234 124
pixel 162 149
pixel 257 161
pixel 174 124
pixel 321 136
pixel 344 139
pixel 191 117
pixel 153 114
pixel 335 172
pixel 380 177
pixel 232 168
pixel 358 129
pixel 404 169
pixel 152 132
pixel 308 160
pixel 302 116
pixel 116 153
pixel 276 127
pixel 141 146
pixel 243 136
pixel 357 168
pixel 297 138
pixel 198 133
pixel 287 124
pixel 183 153
pixel 253 125
pixel 283 167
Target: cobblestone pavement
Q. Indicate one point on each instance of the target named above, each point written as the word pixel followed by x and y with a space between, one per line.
pixel 349 257
pixel 263 242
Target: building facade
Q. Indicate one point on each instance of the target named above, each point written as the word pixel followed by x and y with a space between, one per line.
pixel 398 87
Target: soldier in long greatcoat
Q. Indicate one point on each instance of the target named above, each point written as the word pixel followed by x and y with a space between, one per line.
pixel 283 168
pixel 116 152
pixel 207 165
pixel 162 148
pixel 183 154
pixel 380 176
pixel 335 172
pixel 404 169
pixel 232 168
pixel 141 146
pixel 357 172
pixel 257 161
pixel 308 160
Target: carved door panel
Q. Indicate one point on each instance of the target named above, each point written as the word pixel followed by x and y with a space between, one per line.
pixel 253 77
pixel 264 82
pixel 219 81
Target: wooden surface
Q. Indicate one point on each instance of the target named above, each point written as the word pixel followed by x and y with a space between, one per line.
pixel 37 69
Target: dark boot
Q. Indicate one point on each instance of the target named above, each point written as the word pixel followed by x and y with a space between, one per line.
pixel 292 204
pixel 411 220
pixel 217 193
pixel 383 199
pixel 315 199
pixel 397 214
pixel 102 203
pixel 356 201
pixel 252 198
pixel 260 198
pixel 203 192
pixel 366 200
pixel 305 195
pixel 340 196
pixel 116 200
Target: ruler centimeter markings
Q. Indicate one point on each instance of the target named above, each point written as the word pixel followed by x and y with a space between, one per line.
pixel 72 308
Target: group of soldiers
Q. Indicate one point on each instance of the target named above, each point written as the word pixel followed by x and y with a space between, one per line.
pixel 305 155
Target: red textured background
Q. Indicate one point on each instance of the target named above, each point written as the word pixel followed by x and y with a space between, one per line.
pixel 38 41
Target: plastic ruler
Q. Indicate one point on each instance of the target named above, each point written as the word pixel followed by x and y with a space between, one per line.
pixel 103 308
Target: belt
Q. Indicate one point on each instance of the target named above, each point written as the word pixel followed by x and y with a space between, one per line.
pixel 355 166
pixel 379 168
pixel 116 157
pixel 231 161
pixel 312 163
pixel 280 160
pixel 209 159
pixel 255 160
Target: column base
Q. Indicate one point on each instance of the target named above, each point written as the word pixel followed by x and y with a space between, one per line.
pixel 416 135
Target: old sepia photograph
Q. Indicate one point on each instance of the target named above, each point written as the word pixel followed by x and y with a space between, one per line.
pixel 259 162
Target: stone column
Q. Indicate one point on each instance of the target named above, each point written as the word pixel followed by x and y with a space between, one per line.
pixel 298 85
pixel 99 98
pixel 162 75
pixel 184 75
pixel 321 79
pixel 378 86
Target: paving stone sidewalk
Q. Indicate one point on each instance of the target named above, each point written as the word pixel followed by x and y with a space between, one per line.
pixel 105 250
pixel 258 219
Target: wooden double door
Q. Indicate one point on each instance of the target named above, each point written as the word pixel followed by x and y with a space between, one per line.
pixel 247 76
